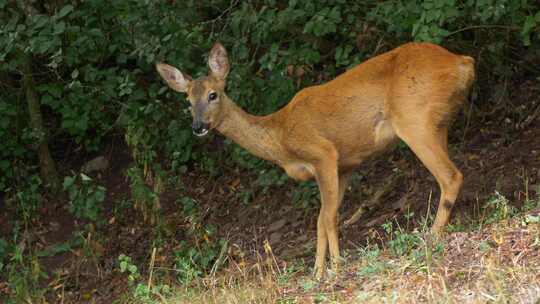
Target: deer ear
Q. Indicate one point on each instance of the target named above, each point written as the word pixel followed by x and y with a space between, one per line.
pixel 174 78
pixel 218 61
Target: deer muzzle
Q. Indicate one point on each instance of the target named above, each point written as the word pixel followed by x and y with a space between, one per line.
pixel 200 128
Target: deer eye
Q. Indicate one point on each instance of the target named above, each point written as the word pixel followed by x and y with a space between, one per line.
pixel 212 96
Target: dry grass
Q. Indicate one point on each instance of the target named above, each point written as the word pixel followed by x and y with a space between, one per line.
pixel 498 264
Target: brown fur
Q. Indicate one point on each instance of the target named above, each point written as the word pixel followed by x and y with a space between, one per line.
pixel 411 92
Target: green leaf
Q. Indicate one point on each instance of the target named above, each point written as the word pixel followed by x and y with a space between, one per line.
pixel 335 14
pixel 123 266
pixel 41 21
pixel 167 38
pixel 68 182
pixel 100 194
pixel 528 25
pixel 85 178
pixel 132 268
pixel 59 28
pixel 64 11
pixel 308 28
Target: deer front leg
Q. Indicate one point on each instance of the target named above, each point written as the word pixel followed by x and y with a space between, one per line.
pixel 327 233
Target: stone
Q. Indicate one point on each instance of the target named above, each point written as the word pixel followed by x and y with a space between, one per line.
pixel 99 163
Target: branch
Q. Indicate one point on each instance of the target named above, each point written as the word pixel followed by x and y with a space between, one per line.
pixel 474 27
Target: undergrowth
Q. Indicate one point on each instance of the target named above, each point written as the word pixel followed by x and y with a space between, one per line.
pixel 403 266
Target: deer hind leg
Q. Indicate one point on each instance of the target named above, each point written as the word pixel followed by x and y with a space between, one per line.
pixel 429 143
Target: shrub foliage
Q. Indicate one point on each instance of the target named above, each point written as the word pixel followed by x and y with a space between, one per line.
pixel 91 62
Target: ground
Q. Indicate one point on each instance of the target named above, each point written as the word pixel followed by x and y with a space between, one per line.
pixel 271 240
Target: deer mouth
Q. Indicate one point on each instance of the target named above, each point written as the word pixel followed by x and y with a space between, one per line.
pixel 200 128
pixel 201 132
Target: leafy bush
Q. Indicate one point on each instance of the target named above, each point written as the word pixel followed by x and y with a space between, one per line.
pixel 85 196
pixel 141 291
pixel 93 60
pixel 497 208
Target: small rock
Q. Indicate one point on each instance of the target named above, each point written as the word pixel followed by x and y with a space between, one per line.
pixel 99 163
pixel 277 225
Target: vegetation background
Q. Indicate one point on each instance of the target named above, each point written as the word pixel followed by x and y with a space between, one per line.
pixel 99 172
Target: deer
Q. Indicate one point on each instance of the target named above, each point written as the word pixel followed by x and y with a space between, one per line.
pixel 410 93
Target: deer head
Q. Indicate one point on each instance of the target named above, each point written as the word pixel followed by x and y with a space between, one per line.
pixel 204 93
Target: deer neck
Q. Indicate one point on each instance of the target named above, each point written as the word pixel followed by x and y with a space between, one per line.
pixel 257 134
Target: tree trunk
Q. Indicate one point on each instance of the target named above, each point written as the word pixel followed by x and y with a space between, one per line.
pixel 49 175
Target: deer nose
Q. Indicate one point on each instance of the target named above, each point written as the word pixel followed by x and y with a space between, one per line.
pixel 199 128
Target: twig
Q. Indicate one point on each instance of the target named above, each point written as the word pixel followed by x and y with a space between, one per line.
pixel 152 261
pixel 428 210
pixel 375 200
pixel 529 119
pixel 379 45
pixel 220 259
pixel 474 27
pixel 231 6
